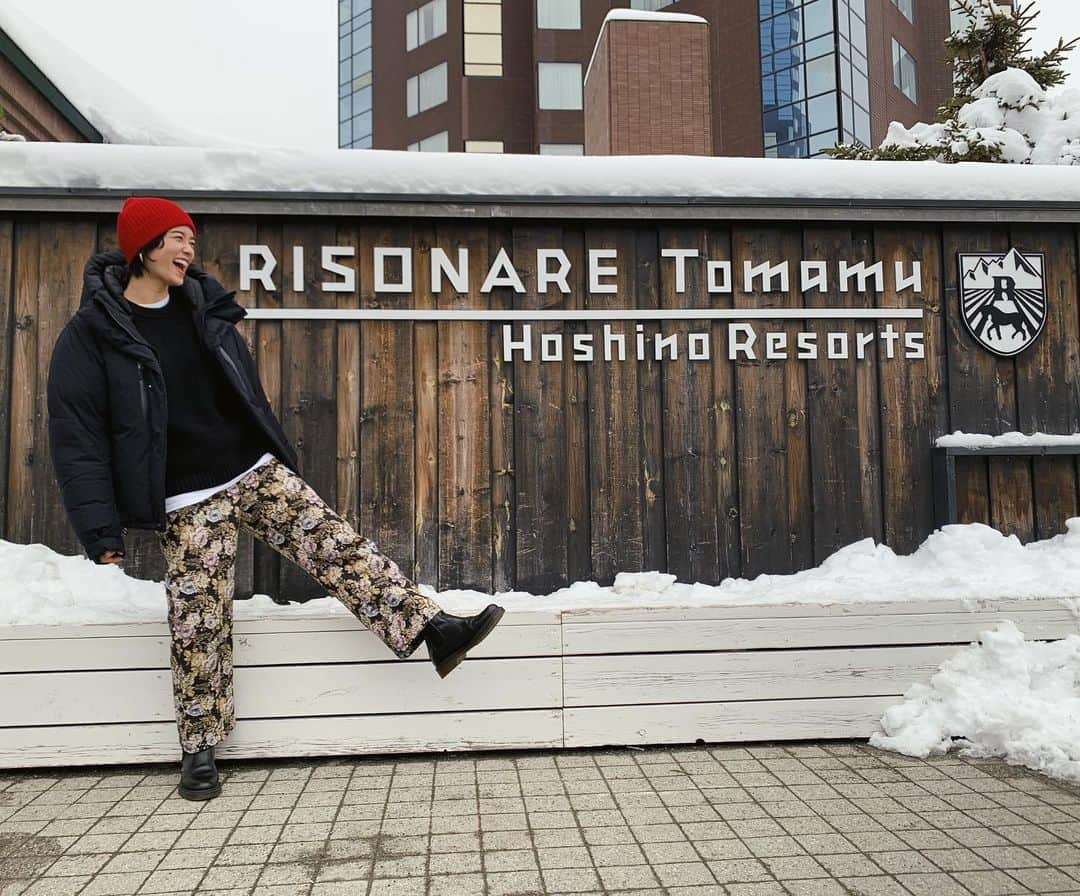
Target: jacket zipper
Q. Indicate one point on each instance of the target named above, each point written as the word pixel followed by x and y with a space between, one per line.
pixel 142 389
pixel 232 364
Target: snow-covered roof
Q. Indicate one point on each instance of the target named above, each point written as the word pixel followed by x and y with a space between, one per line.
pixel 413 175
pixel 118 114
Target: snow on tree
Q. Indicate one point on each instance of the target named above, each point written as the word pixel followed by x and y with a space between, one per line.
pixel 1002 110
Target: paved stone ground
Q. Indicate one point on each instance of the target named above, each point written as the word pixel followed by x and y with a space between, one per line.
pixel 800 819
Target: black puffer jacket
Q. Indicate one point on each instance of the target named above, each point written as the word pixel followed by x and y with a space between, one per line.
pixel 108 405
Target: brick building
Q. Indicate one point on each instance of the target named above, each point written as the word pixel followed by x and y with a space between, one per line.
pixel 787 77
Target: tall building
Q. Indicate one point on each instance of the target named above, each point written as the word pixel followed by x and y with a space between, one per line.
pixel 789 77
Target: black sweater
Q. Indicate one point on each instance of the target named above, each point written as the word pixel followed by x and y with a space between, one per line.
pixel 211 434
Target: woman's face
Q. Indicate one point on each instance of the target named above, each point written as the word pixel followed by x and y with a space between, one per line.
pixel 170 263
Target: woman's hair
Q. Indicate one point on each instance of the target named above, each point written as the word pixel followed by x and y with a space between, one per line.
pixel 136 269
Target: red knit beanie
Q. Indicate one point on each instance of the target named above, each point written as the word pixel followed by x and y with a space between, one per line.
pixel 142 218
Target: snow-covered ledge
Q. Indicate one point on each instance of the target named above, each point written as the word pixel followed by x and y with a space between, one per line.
pixel 961 439
pixel 413 175
pixel 85 678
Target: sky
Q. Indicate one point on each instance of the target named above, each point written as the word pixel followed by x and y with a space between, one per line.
pixel 263 71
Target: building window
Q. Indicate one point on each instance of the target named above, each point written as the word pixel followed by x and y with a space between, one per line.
pixel 559 85
pixel 903 70
pixel 425 90
pixel 354 74
pixel 650 5
pixel 564 14
pixel 483 146
pixel 483 38
pixel 439 142
pixel 906 7
pixel 562 149
pixel 424 24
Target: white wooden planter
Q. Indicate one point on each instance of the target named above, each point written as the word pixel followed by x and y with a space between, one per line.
pixel 91 694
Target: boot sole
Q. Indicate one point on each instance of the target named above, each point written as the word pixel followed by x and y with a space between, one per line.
pixel 194 795
pixel 454 660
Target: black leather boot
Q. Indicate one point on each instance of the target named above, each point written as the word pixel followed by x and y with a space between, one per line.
pixel 449 638
pixel 199 776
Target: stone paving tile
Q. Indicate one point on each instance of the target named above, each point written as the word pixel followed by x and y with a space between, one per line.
pixel 796 819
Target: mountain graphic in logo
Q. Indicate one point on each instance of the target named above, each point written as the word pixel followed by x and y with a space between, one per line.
pixel 1003 299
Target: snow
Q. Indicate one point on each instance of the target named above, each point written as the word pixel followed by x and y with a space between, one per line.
pixel 645 15
pixel 960 439
pixel 414 174
pixel 1003 697
pixel 961 562
pixel 115 111
pixel 1009 109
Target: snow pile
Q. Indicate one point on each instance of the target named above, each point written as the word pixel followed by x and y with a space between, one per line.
pixel 1001 697
pixel 960 439
pixel 111 108
pixel 419 175
pixel 962 562
pixel 1012 111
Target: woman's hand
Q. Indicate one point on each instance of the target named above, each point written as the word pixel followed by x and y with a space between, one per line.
pixel 111 557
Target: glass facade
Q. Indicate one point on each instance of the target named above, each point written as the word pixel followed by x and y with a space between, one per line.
pixel 815 90
pixel 354 74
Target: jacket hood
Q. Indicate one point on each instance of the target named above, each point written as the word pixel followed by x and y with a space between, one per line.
pixel 103 280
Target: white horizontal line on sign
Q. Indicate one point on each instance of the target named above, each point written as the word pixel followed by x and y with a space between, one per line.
pixel 582 314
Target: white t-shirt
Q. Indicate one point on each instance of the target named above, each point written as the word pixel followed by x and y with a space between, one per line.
pixel 178 501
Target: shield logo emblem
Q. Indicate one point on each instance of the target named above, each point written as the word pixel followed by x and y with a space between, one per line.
pixel 1003 299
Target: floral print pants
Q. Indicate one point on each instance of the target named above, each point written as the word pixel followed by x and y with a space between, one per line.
pixel 280 508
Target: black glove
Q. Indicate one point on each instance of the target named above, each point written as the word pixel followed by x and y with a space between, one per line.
pixel 98 541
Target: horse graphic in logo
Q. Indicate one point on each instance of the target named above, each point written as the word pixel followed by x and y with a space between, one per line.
pixel 1003 299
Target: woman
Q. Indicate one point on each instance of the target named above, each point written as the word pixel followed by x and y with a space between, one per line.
pixel 158 420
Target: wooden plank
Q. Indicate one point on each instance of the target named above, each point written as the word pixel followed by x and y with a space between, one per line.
pixel 426 406
pixel 541 417
pixel 219 241
pixel 728 528
pixel 308 383
pixel 982 397
pixel 676 678
pixel 755 720
pixel 347 397
pixel 144 695
pixel 501 400
pixel 660 636
pixel 869 609
pixel 66 244
pixel 842 407
pixel 26 449
pixel 465 424
pixel 688 484
pixel 645 275
pixel 914 410
pixel 774 471
pixel 579 566
pixel 616 469
pixel 1047 378
pixel 285 623
pixel 266 562
pixel 7 318
pixel 263 738
pixel 255 649
pixel 387 412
